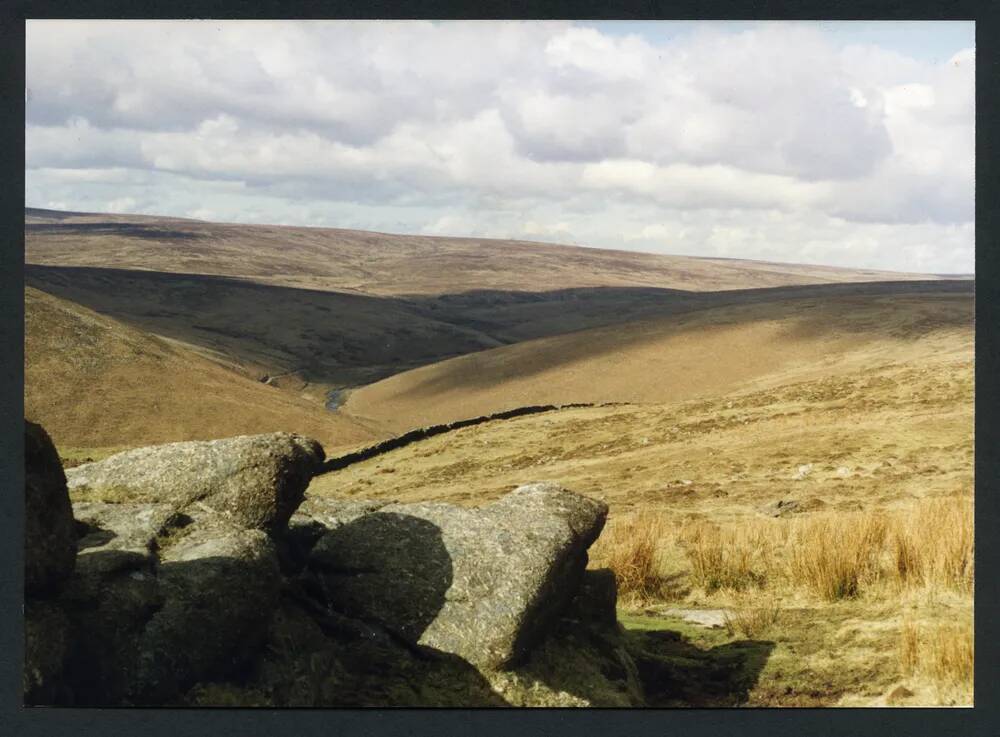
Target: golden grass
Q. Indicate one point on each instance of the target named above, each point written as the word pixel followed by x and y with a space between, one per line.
pixel 909 647
pixel 934 544
pixel 630 547
pixel 943 654
pixel 834 554
pixel 729 557
pixel 753 616
pixel 950 656
pixel 831 555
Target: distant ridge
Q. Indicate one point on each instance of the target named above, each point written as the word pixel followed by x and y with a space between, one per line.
pixel 334 259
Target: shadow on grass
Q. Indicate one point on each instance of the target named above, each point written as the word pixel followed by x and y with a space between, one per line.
pixel 675 672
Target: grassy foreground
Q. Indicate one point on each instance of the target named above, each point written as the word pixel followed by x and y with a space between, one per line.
pixel 863 608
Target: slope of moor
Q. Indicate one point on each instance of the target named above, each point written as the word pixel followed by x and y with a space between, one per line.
pixel 93 382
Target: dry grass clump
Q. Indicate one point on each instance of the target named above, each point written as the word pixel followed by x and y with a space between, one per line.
pixel 909 648
pixel 631 547
pixel 944 654
pixel 950 657
pixel 929 545
pixel 730 557
pixel 933 544
pixel 753 615
pixel 834 555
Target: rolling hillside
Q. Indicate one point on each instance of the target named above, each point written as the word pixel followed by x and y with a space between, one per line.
pixel 671 359
pixel 93 382
pixel 321 310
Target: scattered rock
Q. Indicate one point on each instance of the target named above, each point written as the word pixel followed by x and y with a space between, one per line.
pixel 480 583
pixel 784 507
pixel 49 531
pixel 843 472
pixel 804 470
pixel 781 507
pixel 257 480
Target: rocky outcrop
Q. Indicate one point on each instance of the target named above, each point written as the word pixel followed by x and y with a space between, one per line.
pixel 49 559
pixel 256 480
pixel 483 583
pixel 216 591
pixel 49 537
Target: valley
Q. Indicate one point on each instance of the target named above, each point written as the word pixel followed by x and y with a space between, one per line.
pixel 739 408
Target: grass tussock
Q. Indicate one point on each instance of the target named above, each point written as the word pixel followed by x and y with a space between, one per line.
pixel 933 545
pixel 734 558
pixel 631 547
pixel 754 615
pixel 943 654
pixel 834 555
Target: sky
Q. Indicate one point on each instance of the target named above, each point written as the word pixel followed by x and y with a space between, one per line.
pixel 849 143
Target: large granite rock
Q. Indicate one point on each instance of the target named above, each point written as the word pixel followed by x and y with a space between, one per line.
pixel 482 583
pixel 49 536
pixel 220 588
pixel 256 480
pixel 162 600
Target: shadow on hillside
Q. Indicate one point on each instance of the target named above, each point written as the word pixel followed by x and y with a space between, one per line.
pixel 340 339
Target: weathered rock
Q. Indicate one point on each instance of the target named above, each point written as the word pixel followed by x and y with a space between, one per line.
pixel 46 641
pixel 480 583
pixel 110 600
pixel 220 587
pixel 49 533
pixel 161 600
pixel 785 507
pixel 314 517
pixel 257 480
pixel 332 513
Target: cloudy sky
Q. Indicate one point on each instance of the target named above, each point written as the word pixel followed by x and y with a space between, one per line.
pixel 849 144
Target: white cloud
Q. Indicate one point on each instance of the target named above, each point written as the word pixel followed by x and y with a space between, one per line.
pixel 545 130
